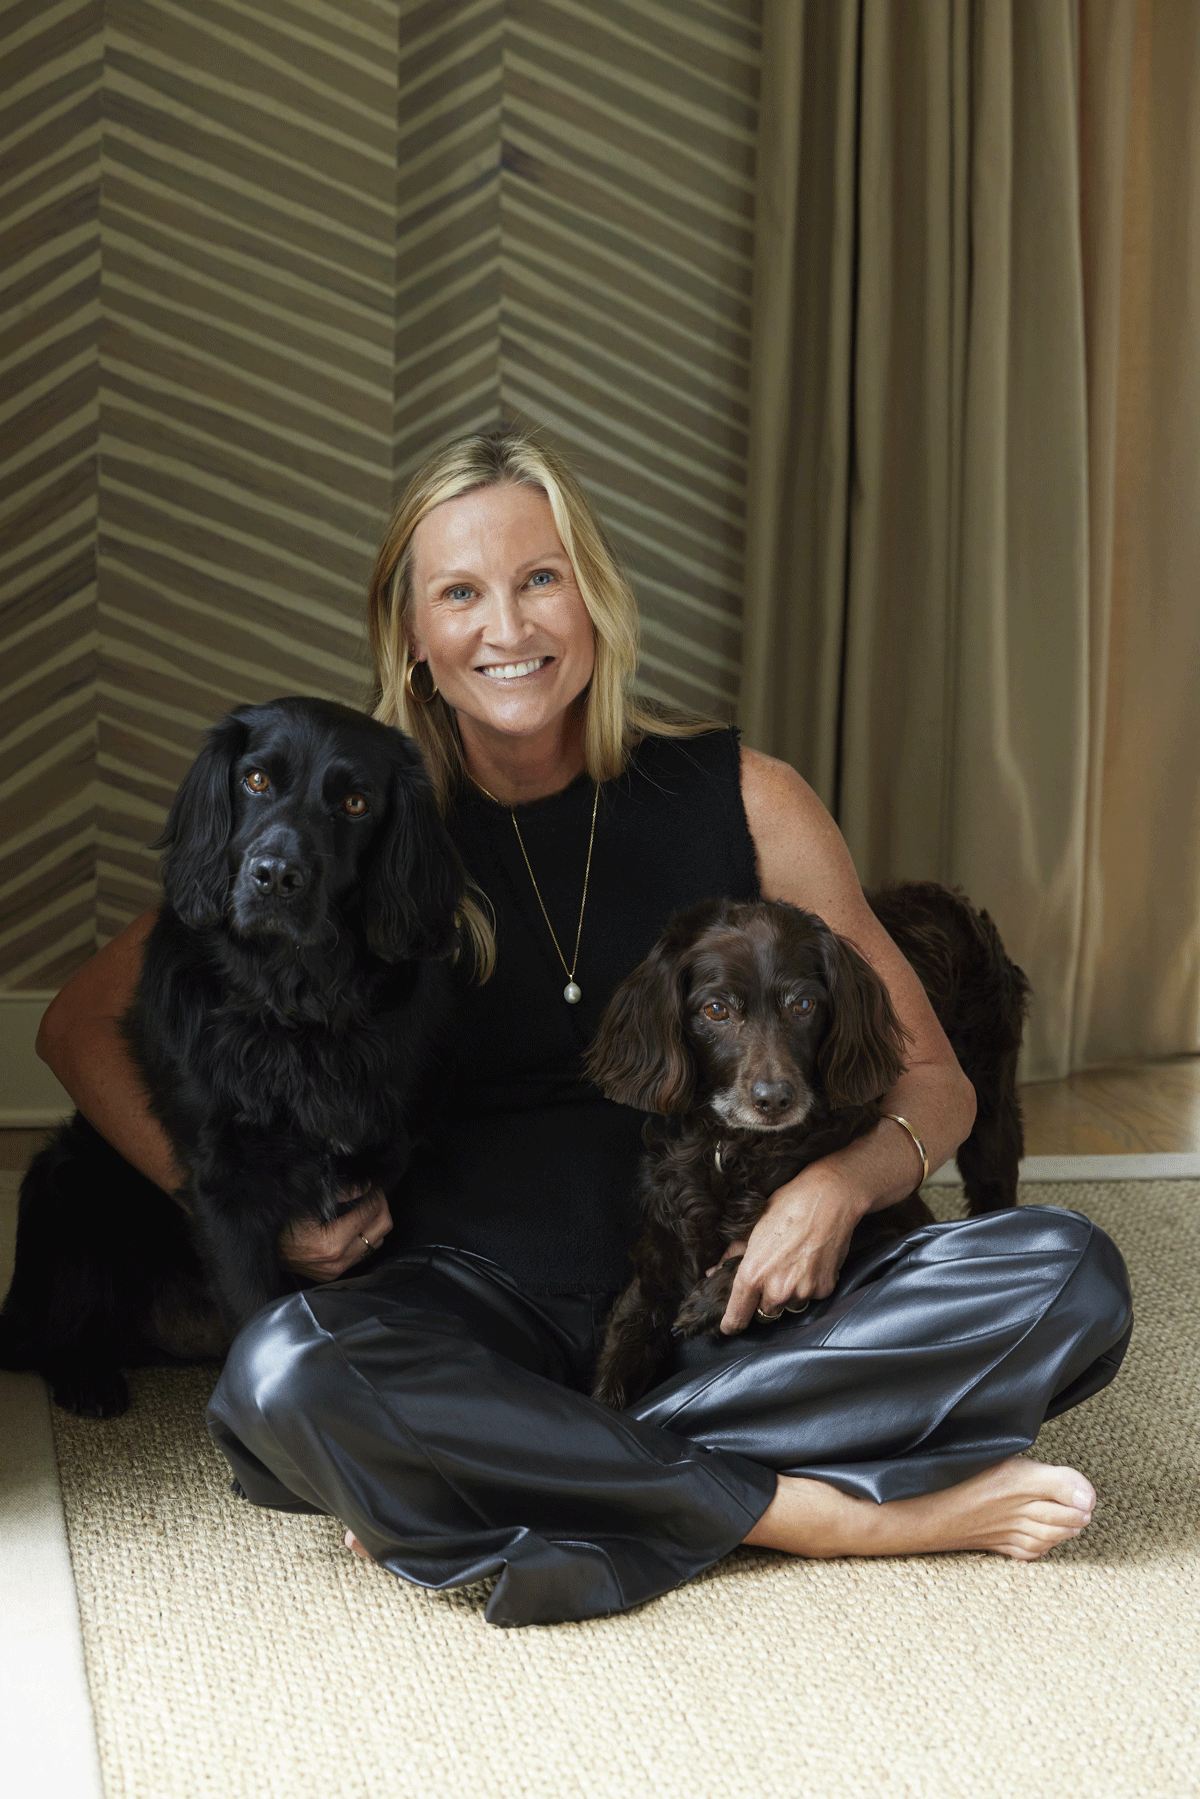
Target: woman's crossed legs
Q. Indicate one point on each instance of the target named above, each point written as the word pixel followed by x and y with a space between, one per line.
pixel 432 1407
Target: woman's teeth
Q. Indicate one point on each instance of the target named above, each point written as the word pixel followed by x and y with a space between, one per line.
pixel 512 671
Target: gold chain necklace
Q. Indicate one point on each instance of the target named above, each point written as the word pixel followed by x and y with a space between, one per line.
pixel 572 993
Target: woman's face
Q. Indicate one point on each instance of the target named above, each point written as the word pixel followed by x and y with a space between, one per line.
pixel 497 614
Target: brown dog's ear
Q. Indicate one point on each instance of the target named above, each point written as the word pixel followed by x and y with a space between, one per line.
pixel 863 1051
pixel 640 1057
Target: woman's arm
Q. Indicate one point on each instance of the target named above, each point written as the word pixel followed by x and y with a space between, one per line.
pixel 798 1245
pixel 80 1039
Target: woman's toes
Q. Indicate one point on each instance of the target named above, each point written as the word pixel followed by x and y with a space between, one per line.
pixel 1034 1539
pixel 1023 1547
pixel 1059 1517
pixel 1069 1487
pixel 1083 1494
pixel 1066 1489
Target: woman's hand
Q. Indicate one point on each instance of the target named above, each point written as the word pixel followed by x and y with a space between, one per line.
pixel 796 1248
pixel 324 1252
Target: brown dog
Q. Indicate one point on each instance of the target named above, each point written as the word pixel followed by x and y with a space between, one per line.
pixel 761 1041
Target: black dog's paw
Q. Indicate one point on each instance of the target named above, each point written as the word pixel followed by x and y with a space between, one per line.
pixel 96 1393
pixel 704 1307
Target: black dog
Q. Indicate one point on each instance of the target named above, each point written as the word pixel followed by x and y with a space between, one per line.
pixel 282 1006
pixel 763 1041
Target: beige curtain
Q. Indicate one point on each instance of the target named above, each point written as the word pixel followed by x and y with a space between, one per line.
pixel 973 571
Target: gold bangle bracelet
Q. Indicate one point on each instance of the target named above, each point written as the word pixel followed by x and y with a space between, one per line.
pixel 906 1126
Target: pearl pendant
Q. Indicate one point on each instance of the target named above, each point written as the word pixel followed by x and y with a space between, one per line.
pixel 572 994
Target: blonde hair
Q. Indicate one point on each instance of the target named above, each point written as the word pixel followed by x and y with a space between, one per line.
pixel 615 719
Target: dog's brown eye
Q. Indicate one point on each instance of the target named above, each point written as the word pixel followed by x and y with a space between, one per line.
pixel 256 781
pixel 355 805
pixel 802 1007
pixel 717 1010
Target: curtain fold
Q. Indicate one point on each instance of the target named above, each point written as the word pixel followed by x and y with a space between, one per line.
pixel 1139 986
pixel 800 378
pixel 972 606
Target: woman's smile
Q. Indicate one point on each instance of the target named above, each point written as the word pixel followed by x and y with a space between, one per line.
pixel 514 671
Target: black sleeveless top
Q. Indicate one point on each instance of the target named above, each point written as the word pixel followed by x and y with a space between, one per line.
pixel 522 1159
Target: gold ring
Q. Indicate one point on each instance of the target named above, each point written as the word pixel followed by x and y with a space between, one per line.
pixel 364 1240
pixel 798 1305
pixel 769 1316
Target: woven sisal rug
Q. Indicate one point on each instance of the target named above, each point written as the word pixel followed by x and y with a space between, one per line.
pixel 232 1651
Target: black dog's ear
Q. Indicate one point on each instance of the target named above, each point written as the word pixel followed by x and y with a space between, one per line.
pixel 414 881
pixel 195 870
pixel 862 1054
pixel 640 1056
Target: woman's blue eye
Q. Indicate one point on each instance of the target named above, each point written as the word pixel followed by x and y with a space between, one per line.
pixel 542 577
pixel 459 593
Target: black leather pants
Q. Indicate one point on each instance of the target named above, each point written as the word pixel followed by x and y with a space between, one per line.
pixel 442 1413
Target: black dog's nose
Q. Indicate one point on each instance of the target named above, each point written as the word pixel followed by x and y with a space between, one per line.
pixel 772 1097
pixel 275 874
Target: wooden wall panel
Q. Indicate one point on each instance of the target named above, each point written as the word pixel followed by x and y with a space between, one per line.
pixel 447 371
pixel 576 206
pixel 246 350
pixel 50 81
pixel 629 136
pixel 258 257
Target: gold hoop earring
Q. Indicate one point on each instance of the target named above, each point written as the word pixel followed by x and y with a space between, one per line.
pixel 422 699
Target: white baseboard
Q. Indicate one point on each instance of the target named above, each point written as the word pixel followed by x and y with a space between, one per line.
pixel 1180 1166
pixel 29 1094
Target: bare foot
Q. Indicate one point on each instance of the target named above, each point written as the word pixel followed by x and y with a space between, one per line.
pixel 352 1542
pixel 1020 1508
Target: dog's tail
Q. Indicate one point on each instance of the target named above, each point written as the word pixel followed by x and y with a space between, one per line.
pixel 982 1000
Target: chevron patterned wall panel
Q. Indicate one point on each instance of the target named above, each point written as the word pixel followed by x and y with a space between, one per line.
pixel 246 350
pixel 576 200
pixel 627 208
pixel 50 70
pixel 261 255
pixel 448 223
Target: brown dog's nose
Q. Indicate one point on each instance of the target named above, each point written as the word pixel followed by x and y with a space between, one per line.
pixel 772 1097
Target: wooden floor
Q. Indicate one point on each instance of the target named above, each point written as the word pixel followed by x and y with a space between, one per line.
pixel 1124 1109
pixel 1129 1107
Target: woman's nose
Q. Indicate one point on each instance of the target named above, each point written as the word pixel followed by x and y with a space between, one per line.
pixel 506 624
